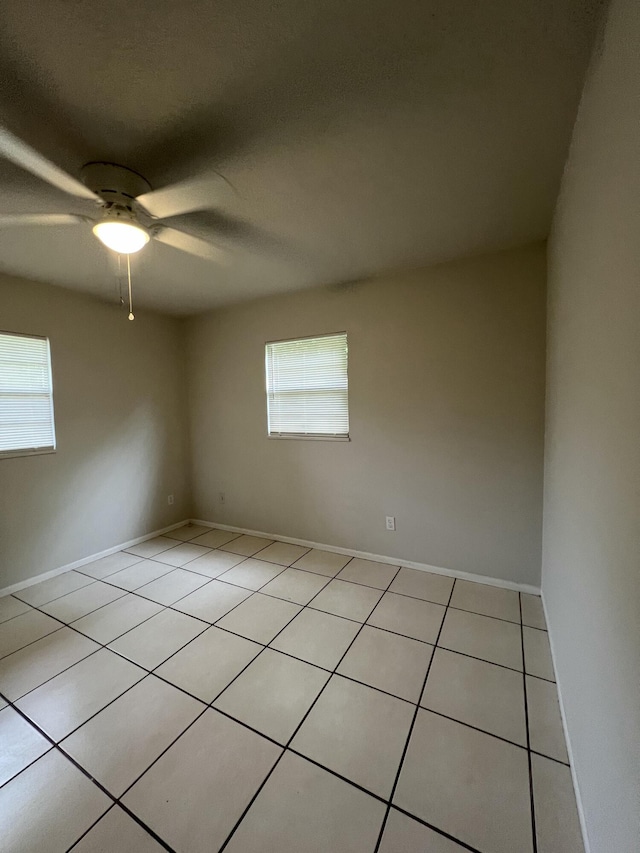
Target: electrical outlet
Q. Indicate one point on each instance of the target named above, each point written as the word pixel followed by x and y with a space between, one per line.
pixel 221 497
pixel 391 522
pixel 170 500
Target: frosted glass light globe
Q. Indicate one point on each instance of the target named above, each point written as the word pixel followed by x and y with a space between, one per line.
pixel 123 237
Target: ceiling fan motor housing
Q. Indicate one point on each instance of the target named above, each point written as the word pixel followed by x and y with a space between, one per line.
pixel 117 186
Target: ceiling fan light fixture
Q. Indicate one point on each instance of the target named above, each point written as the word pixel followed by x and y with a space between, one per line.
pixel 126 238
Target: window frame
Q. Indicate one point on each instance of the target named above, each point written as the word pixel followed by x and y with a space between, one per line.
pixel 294 436
pixel 35 451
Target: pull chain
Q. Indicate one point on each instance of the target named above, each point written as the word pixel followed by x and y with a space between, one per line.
pixel 131 314
pixel 120 279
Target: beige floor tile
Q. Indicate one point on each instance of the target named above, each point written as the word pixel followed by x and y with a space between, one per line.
pixel 368 572
pixel 481 694
pixel 188 532
pixel 11 606
pixel 557 821
pixel 283 553
pixel 172 587
pixel 152 547
pixel 316 637
pixel 109 622
pixel 329 814
pixel 404 835
pixel 532 612
pixel 22 630
pixel 215 538
pixel 481 790
pixel 143 572
pixel 247 546
pixel 69 699
pixel 106 566
pixel 351 600
pixel 120 743
pixel 251 574
pixel 67 804
pixel 487 600
pixel 212 601
pixel 116 832
pixel 215 563
pixel 545 722
pixel 273 694
pixel 388 661
pixel 325 563
pixel 36 663
pixel 21 744
pixel 175 797
pixel 152 642
pixel 207 665
pixel 537 654
pixel 48 590
pixel 409 616
pixel 294 585
pixel 342 726
pixel 180 555
pixel 425 585
pixel 483 637
pixel 76 604
pixel 259 617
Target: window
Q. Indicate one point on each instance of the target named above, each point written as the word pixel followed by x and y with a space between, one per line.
pixel 26 396
pixel 307 388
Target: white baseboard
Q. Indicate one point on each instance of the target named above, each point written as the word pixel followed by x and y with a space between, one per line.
pixel 7 590
pixel 378 558
pixel 567 737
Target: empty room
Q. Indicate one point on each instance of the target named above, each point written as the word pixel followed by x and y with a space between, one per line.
pixel 319 418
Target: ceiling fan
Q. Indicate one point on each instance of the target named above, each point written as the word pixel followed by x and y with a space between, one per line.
pixel 126 213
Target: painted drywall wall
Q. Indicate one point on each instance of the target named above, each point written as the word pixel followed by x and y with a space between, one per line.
pixel 591 571
pixel 446 392
pixel 120 417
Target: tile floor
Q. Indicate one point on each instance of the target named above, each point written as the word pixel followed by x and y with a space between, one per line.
pixel 207 691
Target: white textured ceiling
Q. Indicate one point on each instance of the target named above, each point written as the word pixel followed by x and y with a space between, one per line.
pixel 359 135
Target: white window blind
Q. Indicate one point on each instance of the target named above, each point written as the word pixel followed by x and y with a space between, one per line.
pixel 26 395
pixel 307 387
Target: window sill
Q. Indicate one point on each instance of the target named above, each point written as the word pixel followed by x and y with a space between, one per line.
pixel 12 454
pixel 295 437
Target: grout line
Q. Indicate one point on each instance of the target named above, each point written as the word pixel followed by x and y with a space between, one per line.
pixel 470 726
pixel 56 597
pixel 550 757
pixel 434 828
pixel 240 722
pixel 292 566
pixel 209 624
pixel 84 772
pixel 95 823
pixel 209 705
pixel 411 727
pixel 526 718
pixel 31 642
pixel 335 773
pixel 295 732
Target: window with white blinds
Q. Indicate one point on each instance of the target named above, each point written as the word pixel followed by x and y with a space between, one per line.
pixel 26 395
pixel 307 388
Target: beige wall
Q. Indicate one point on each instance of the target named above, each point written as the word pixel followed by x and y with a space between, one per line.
pixel 121 432
pixel 446 389
pixel 591 572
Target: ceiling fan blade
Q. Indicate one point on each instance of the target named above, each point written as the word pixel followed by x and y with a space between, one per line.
pixel 184 197
pixel 188 243
pixel 10 219
pixel 18 152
